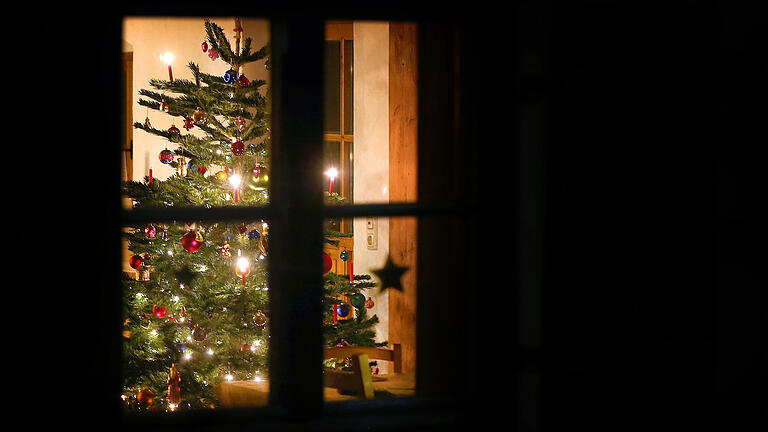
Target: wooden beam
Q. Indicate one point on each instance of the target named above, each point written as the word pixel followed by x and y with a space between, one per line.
pixel 402 184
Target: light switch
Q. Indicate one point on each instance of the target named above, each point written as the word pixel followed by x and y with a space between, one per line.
pixel 372 233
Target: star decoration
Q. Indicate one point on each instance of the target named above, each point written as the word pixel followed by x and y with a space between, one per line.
pixel 390 275
pixel 213 54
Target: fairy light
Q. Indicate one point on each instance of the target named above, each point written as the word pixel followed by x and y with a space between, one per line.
pixel 188 356
pixel 172 407
pixel 153 332
pixel 229 377
pixel 209 352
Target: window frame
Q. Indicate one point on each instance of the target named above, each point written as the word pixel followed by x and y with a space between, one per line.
pixel 295 205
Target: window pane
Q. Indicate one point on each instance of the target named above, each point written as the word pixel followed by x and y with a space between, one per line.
pixel 349 85
pixel 332 86
pixel 361 318
pixel 188 138
pixel 196 312
pixel 196 323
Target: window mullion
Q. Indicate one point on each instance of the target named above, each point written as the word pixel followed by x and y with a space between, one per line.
pixel 296 229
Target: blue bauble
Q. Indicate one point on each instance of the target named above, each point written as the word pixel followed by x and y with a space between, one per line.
pixel 230 76
pixel 343 310
pixel 254 234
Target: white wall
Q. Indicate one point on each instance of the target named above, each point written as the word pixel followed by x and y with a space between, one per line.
pixel 148 38
pixel 371 120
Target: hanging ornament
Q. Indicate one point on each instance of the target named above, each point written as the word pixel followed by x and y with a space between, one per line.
pixel 239 123
pixel 264 240
pixel 174 390
pixel 254 234
pixel 192 241
pixel 193 165
pixel 150 231
pixel 213 54
pixel 221 175
pixel 343 310
pixel 189 123
pixel 243 81
pixel 199 116
pixel 145 397
pixel 357 300
pixel 230 76
pixel 166 156
pixel 204 46
pixel 242 228
pixel 171 318
pixel 256 172
pixel 369 303
pixel 165 235
pixel 181 167
pixel 260 182
pixel 147 123
pixel 327 263
pixel 199 334
pixel 238 148
pixel 260 320
pixel 136 261
pixel 144 275
pixel 164 105
pixel 159 311
pixel 225 250
pixel 344 255
pixel 173 130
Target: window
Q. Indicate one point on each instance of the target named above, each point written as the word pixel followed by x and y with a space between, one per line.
pixel 295 339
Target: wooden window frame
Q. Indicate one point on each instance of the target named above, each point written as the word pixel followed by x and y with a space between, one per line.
pixel 342 31
pixel 296 213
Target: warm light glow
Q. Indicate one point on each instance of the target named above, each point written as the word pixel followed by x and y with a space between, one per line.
pixel 242 264
pixel 153 332
pixel 172 407
pixel 229 377
pixel 188 356
pixel 235 180
pixel 167 58
pixel 210 351
pixel 257 378
pixel 332 173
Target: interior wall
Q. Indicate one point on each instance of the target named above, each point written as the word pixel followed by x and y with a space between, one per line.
pixel 371 120
pixel 149 38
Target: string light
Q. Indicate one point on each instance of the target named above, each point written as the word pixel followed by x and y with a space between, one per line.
pixel 209 352
pixel 188 356
pixel 229 377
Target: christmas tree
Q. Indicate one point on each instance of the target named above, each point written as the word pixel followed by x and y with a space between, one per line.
pixel 196 307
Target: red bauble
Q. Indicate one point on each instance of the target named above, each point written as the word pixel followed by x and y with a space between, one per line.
pixel 173 129
pixel 191 241
pixel 136 261
pixel 327 263
pixel 242 228
pixel 166 156
pixel 256 171
pixel 204 46
pixel 238 148
pixel 243 81
pixel 159 311
pixel 369 303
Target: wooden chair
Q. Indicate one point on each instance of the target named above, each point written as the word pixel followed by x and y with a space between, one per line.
pixel 359 382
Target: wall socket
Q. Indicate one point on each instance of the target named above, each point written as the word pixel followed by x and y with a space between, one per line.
pixel 372 233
